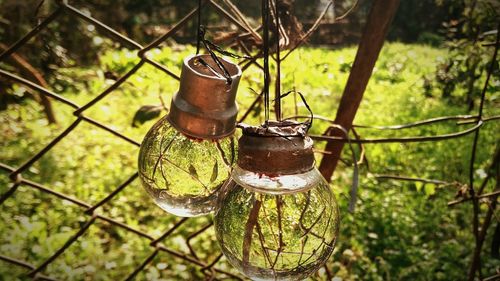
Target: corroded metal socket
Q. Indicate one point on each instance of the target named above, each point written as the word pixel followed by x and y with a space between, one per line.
pixel 279 148
pixel 205 106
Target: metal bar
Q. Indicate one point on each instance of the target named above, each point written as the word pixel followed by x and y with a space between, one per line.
pixel 55 193
pixel 210 265
pixel 27 266
pixel 66 245
pixel 229 16
pixel 310 31
pixel 106 128
pixel 334 139
pixel 9 193
pixel 7 168
pixel 485 195
pixel 193 235
pixel 169 33
pixel 105 28
pixel 196 262
pixel 162 68
pixel 30 34
pixel 125 226
pixel 44 150
pixel 112 194
pixel 479 234
pixel 37 87
pixel 170 231
pixel 17 262
pixel 467 119
pixel 377 26
pixel 142 266
pixel 252 106
pixel 243 20
pixel 405 178
pixel 111 88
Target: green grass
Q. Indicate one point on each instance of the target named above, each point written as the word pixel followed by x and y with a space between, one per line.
pixel 400 230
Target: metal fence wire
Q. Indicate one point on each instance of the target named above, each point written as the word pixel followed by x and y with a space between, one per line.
pixel 210 268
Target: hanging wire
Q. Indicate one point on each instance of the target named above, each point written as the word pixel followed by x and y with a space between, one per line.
pixel 224 52
pixel 38 8
pixel 219 64
pixel 200 38
pixel 278 96
pixel 309 122
pixel 198 31
pixel 353 192
pixel 277 101
pixel 211 47
pixel 265 47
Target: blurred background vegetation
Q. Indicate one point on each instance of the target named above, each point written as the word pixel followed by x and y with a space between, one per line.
pixel 434 65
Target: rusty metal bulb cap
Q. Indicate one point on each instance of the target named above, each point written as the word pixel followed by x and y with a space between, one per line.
pixel 205 106
pixel 276 159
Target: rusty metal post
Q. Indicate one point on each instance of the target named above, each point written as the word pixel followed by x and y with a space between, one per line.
pixel 379 20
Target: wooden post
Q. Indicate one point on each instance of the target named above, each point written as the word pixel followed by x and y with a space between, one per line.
pixel 379 20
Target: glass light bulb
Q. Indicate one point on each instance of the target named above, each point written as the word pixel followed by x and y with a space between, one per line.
pixel 277 227
pixel 182 174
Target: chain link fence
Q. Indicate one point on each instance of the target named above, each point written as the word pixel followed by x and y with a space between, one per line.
pixel 208 267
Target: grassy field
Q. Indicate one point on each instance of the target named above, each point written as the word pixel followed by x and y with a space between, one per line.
pixel 400 230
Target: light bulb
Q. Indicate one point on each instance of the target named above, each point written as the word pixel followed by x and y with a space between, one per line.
pixel 277 218
pixel 188 154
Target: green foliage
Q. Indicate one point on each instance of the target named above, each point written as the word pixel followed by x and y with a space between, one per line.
pixel 459 75
pixel 400 231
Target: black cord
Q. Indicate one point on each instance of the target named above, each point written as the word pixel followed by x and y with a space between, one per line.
pixel 277 102
pixel 198 31
pixel 311 114
pixel 224 52
pixel 265 46
pixel 217 61
pixel 38 7
pixel 211 47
